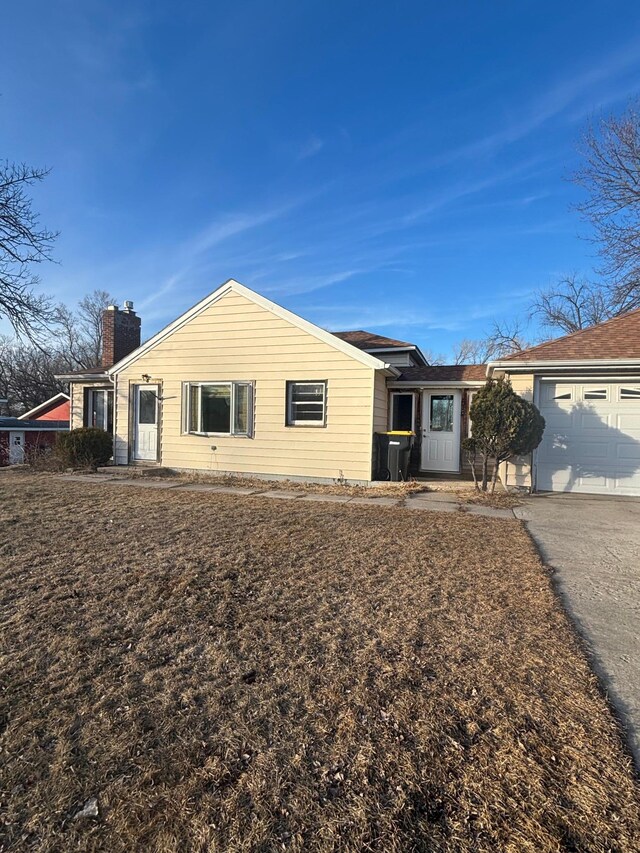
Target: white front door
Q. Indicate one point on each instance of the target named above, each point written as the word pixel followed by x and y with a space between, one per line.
pixel 146 407
pixel 441 431
pixel 16 448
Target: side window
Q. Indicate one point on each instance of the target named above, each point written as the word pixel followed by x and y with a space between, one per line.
pixel 306 404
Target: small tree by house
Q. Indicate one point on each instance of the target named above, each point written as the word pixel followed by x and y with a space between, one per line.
pixel 503 425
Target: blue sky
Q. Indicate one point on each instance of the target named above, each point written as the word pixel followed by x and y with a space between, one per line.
pixel 398 167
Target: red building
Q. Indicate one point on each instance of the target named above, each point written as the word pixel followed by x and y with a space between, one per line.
pixel 33 431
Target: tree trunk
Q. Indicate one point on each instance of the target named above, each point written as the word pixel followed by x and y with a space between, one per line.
pixel 472 461
pixel 485 471
pixel 494 476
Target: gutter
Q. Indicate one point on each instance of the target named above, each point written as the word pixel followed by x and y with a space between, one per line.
pixel 83 377
pixel 563 364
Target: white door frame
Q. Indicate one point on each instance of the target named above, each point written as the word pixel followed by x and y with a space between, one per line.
pixel 138 454
pixel 20 434
pixel 445 456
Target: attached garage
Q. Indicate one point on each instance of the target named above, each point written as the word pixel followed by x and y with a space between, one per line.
pixel 587 387
pixel 591 442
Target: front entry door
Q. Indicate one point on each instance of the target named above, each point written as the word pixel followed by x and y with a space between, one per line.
pixel 146 411
pixel 441 431
pixel 16 448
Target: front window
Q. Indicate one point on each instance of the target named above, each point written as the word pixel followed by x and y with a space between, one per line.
pixel 306 403
pixel 99 408
pixel 223 408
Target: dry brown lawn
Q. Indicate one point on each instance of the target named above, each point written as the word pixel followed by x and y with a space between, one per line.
pixel 242 674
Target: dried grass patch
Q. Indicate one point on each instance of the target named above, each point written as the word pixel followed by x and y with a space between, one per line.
pixel 238 674
pixel 390 490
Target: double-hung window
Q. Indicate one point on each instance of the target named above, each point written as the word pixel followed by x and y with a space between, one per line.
pixel 220 408
pixel 306 404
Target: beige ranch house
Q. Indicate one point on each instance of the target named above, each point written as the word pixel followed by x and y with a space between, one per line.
pixel 238 384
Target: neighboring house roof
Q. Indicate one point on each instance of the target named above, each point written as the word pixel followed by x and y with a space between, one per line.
pixel 38 412
pixel 369 340
pixel 232 286
pixel 373 343
pixel 444 373
pixel 16 423
pixel 618 338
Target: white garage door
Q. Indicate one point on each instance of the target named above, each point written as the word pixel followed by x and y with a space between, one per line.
pixel 591 441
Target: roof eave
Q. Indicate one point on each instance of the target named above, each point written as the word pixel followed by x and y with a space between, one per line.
pixel 83 377
pixel 519 366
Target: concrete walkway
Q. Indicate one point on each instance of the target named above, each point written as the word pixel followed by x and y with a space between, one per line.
pixel 425 501
pixel 593 544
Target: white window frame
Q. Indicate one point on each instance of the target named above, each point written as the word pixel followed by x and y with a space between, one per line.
pixel 591 389
pixel 91 392
pixel 290 421
pixel 233 386
pixel 413 407
pixel 628 386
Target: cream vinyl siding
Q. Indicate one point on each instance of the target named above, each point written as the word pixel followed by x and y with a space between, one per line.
pixel 236 339
pixel 518 471
pixel 380 404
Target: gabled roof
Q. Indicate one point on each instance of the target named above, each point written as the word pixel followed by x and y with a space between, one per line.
pixel 369 340
pixel 444 373
pixel 43 407
pixel 618 338
pixel 232 286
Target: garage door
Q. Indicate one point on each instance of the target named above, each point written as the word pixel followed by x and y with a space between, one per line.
pixel 591 442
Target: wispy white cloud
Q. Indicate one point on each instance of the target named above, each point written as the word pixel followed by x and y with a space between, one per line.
pixel 574 98
pixel 311 147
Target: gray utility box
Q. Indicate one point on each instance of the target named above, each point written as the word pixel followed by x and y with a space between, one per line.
pixel 394 449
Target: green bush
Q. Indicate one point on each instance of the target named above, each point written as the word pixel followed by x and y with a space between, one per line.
pixel 87 447
pixel 503 424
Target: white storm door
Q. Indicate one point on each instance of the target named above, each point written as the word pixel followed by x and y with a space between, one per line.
pixel 146 410
pixel 16 448
pixel 441 431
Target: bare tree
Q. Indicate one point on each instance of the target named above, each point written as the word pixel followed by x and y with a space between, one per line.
pixel 23 243
pixel 27 374
pixel 79 333
pixel 28 368
pixel 504 339
pixel 611 176
pixel 470 351
pixel 572 304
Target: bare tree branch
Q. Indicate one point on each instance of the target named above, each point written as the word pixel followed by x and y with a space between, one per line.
pixel 23 243
pixel 611 176
pixel 574 303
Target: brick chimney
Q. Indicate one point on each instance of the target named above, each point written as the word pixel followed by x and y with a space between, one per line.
pixel 120 333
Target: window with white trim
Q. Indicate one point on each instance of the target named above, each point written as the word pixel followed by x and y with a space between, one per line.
pixel 98 410
pixel 402 411
pixel 217 408
pixel 306 403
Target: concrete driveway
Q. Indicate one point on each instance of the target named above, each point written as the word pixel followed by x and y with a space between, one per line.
pixel 593 543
